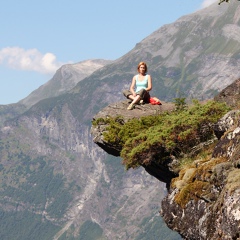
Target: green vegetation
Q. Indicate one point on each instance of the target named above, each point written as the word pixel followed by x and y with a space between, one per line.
pixel 28 188
pixel 156 228
pixel 192 191
pixel 193 182
pixel 180 103
pixel 68 235
pixel 153 138
pixel 23 225
pixel 33 181
pixel 90 231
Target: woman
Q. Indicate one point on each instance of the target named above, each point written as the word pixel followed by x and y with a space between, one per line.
pixel 140 87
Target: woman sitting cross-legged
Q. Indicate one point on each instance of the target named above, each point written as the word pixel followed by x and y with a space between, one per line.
pixel 140 87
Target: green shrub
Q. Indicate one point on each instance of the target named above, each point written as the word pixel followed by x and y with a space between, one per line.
pixel 180 103
pixel 146 139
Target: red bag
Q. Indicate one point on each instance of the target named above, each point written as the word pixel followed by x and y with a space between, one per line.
pixel 155 101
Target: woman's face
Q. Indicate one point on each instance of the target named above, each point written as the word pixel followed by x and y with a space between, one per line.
pixel 142 69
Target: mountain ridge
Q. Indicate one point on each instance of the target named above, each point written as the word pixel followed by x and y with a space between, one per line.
pixel 64 80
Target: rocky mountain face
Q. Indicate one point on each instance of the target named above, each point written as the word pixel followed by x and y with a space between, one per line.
pixel 194 57
pixel 10 111
pixel 61 185
pixel 215 212
pixel 53 177
pixel 203 196
pixel 64 80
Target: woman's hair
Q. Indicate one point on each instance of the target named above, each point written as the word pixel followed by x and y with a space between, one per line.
pixel 145 65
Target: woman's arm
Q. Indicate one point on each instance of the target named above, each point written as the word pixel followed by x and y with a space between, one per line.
pixel 149 83
pixel 132 87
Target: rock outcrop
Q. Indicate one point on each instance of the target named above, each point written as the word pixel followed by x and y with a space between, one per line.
pixel 162 172
pixel 120 109
pixel 203 200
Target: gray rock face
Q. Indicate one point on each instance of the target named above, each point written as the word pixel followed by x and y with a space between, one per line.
pixel 230 94
pixel 225 123
pixel 203 201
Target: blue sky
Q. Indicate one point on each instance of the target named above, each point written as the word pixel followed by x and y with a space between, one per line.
pixel 37 37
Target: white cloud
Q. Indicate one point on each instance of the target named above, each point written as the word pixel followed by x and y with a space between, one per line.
pixel 30 60
pixel 207 3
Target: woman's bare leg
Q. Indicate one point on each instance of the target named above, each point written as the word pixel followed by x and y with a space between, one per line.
pixel 136 99
pixel 131 97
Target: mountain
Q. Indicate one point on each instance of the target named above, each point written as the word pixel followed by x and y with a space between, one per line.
pixel 10 111
pixel 194 57
pixel 65 79
pixel 61 185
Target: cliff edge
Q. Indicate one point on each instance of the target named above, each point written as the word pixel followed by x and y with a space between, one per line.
pixel 203 179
